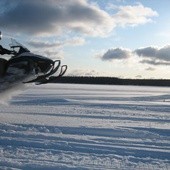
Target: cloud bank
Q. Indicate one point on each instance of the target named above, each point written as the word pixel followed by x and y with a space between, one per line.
pixel 148 55
pixel 54 49
pixel 117 53
pixel 154 55
pixel 76 41
pixel 61 17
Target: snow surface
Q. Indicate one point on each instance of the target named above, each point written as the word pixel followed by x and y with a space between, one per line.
pixel 64 126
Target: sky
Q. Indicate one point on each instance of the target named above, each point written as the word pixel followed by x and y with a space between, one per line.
pixel 113 38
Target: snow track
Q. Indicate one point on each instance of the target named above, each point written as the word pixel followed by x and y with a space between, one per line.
pixel 86 127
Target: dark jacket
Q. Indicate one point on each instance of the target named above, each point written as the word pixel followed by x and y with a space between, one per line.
pixel 4 50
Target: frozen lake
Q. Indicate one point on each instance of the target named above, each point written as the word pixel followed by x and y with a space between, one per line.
pixel 66 126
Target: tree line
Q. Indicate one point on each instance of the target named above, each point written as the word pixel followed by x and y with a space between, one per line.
pixel 110 81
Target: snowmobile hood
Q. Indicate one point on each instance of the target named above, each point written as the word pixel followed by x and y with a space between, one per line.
pixel 33 57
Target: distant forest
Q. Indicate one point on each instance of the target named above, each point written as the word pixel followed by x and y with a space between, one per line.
pixel 110 81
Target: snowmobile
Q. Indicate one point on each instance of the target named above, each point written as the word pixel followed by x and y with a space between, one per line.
pixel 42 68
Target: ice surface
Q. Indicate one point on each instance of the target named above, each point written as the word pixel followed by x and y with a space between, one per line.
pixel 64 126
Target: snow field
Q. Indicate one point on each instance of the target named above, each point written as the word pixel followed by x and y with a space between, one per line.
pixel 66 126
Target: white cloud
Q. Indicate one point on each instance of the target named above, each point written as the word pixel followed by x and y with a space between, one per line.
pixel 54 50
pixel 49 16
pixel 134 15
pixel 150 69
pixel 76 41
pixel 61 17
pixel 42 44
pixel 54 54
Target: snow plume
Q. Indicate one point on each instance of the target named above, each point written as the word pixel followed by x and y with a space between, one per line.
pixel 12 85
pixel 11 91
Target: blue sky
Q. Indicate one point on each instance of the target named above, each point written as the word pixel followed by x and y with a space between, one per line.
pixel 118 38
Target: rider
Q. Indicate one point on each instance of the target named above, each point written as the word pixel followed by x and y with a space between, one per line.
pixel 4 50
pixel 3 62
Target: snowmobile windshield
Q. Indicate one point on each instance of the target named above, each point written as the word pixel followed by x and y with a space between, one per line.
pixel 17 47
